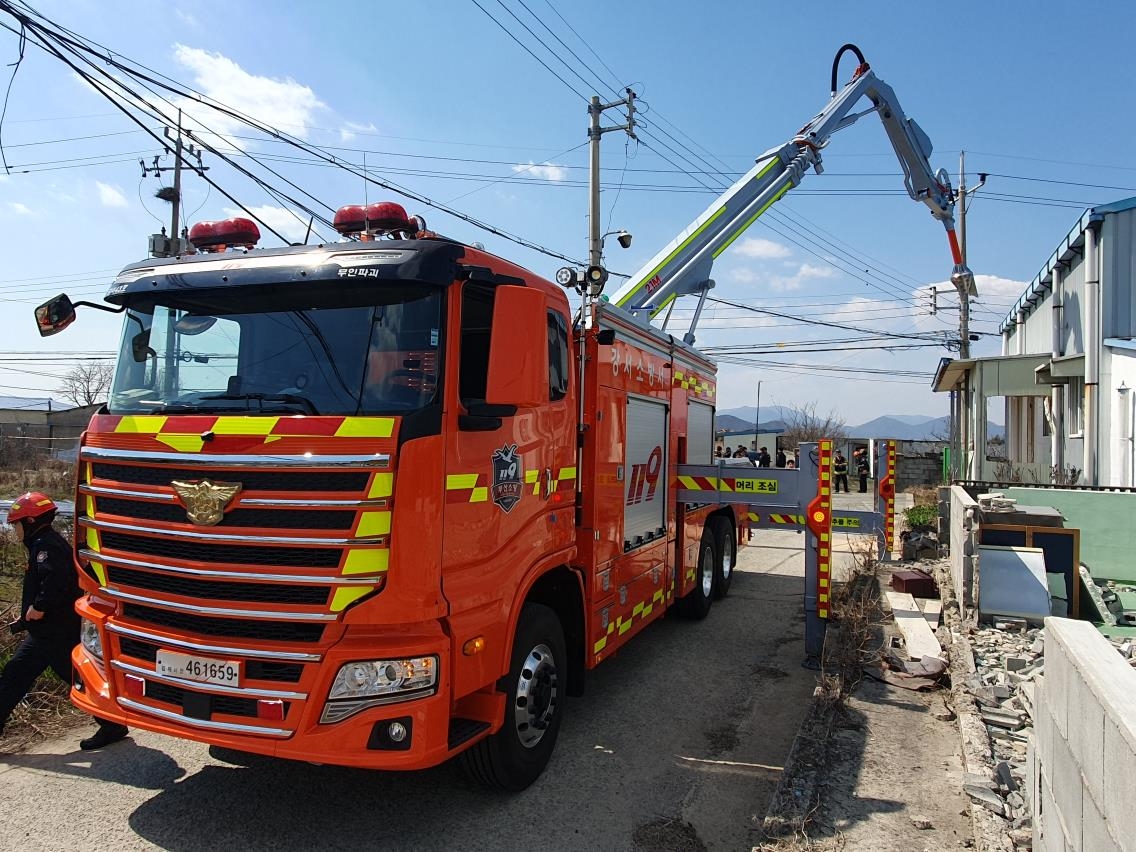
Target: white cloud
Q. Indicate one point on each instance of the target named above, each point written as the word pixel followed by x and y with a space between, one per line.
pixel 186 18
pixel 284 104
pixel 351 129
pixel 805 272
pixel 757 247
pixel 743 275
pixel 110 196
pixel 278 218
pixel 21 209
pixel 545 171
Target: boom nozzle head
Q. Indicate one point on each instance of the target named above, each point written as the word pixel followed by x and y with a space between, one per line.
pixel 963 279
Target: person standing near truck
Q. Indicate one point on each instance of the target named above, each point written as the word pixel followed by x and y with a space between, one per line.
pixel 840 471
pixel 47 612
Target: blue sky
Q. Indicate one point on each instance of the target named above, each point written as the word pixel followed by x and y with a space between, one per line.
pixel 447 104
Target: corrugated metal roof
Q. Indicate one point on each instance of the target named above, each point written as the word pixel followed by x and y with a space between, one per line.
pixel 1065 251
pixel 26 403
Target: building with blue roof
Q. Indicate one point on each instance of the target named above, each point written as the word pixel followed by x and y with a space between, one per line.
pixel 1067 368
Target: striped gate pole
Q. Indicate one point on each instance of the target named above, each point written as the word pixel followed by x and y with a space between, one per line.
pixel 818 553
pixel 887 497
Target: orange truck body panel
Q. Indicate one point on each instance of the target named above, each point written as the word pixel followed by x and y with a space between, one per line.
pixel 369 545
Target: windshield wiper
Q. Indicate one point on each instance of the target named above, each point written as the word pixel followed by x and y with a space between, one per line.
pixel 287 398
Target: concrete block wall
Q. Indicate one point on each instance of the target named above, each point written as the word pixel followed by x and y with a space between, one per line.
pixel 964 543
pixel 1082 753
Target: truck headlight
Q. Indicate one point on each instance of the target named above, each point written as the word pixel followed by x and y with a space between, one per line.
pixel 91 639
pixel 371 682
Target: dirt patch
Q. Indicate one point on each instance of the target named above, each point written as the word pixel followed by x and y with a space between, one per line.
pixel 668 835
pixel 721 740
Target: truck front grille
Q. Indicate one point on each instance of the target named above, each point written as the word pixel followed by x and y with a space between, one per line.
pixel 206 704
pixel 266 670
pixel 239 628
pixel 281 519
pixel 251 480
pixel 233 554
pixel 218 590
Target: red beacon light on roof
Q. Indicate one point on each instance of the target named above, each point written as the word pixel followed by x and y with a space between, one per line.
pixel 383 218
pixel 218 236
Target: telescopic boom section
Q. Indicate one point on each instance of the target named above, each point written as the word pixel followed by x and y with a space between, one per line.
pixel 684 267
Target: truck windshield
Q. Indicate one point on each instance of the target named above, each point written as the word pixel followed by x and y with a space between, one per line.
pixel 306 350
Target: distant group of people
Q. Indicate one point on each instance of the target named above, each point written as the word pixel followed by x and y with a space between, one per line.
pixel 840 469
pixel 761 458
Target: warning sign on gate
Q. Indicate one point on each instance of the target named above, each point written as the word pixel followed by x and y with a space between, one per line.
pixel 756 486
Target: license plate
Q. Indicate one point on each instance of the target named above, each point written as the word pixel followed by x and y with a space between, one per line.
pixel 201 669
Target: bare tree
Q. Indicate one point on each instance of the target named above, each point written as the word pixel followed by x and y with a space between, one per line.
pixel 805 424
pixel 88 382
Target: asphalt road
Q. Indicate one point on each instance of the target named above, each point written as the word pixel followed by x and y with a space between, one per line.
pixel 677 745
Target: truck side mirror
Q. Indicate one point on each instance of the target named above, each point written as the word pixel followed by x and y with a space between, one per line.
pixel 55 315
pixel 518 348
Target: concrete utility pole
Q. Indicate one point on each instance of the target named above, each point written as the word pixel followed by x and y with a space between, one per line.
pixel 595 133
pixel 160 246
pixel 964 294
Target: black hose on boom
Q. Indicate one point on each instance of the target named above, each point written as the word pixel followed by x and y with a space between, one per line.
pixel 863 66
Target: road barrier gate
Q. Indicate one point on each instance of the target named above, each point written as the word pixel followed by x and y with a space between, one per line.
pixel 784 498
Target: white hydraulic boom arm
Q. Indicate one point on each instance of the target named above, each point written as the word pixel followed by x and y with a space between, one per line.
pixel 683 267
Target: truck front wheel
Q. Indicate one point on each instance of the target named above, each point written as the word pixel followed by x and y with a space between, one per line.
pixel 516 755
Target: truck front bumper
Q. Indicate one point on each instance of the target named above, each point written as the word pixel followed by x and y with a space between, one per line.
pixel 413 733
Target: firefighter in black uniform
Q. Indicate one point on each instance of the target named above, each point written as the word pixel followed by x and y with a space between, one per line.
pixel 840 469
pixel 47 612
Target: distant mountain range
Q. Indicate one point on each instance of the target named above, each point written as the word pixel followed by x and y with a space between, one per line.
pixel 902 427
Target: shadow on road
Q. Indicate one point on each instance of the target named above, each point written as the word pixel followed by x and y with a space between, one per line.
pixel 124 763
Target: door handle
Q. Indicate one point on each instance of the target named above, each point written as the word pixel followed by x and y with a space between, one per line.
pixel 548 483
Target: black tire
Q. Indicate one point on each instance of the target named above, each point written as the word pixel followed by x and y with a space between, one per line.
pixel 696 604
pixel 516 755
pixel 727 560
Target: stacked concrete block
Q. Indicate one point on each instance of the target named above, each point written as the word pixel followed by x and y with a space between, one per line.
pixel 1083 775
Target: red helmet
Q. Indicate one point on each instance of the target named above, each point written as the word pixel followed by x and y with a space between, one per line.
pixel 31 506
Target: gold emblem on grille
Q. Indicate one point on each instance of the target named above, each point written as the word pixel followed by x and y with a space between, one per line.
pixel 205 501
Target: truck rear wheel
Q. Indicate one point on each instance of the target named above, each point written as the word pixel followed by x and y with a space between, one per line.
pixel 727 544
pixel 516 755
pixel 696 604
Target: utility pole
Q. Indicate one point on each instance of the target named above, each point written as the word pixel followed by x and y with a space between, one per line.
pixel 757 417
pixel 964 293
pixel 160 244
pixel 595 133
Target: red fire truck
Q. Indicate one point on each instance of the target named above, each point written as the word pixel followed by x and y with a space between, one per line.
pixel 382 502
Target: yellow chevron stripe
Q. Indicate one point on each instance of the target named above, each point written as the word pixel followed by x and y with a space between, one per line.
pixel 368 560
pixel 565 474
pixel 182 443
pixel 374 523
pixel 141 425
pixel 479 495
pixel 460 481
pixel 244 425
pixel 365 427
pixel 382 485
pixel 346 596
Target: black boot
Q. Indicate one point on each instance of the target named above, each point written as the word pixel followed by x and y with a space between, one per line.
pixel 108 732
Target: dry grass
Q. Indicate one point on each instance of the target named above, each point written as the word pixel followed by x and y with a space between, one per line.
pixel 54 478
pixel 925 495
pixel 856 614
pixel 46 711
